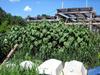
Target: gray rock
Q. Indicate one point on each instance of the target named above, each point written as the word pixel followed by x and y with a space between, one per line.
pixel 74 68
pixel 51 67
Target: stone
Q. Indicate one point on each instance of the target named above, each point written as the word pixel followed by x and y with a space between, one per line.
pixel 74 68
pixel 26 65
pixel 51 67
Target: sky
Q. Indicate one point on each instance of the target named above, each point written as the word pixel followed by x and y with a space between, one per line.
pixel 37 7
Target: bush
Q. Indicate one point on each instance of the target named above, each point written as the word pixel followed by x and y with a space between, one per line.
pixel 55 40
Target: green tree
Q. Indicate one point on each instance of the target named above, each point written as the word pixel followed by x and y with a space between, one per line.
pixel 2 15
pixel 7 20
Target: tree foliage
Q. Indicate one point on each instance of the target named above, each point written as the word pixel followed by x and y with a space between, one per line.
pixel 7 20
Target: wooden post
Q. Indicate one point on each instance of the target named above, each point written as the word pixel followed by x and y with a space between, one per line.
pixel 10 53
pixel 62 6
pixel 90 22
pixel 57 17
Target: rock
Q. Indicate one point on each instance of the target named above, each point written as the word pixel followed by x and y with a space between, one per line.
pixel 74 68
pixel 51 67
pixel 26 65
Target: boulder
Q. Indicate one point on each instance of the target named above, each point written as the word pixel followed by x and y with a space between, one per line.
pixel 74 68
pixel 51 67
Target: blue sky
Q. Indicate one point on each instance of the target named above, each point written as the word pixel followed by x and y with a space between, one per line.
pixel 35 7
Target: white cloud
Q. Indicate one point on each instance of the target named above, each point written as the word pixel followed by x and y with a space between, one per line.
pixel 14 0
pixel 27 8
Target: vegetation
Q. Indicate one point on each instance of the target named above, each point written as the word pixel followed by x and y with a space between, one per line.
pixel 7 20
pixel 16 70
pixel 54 40
pixel 39 41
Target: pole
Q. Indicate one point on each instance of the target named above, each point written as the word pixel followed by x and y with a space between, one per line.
pixel 10 53
pixel 90 22
pixel 62 4
pixel 86 3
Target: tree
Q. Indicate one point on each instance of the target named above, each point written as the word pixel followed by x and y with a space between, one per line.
pixel 2 15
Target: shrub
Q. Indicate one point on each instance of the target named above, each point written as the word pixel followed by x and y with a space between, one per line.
pixel 55 40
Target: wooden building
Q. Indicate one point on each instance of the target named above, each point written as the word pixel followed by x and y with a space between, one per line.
pixel 77 16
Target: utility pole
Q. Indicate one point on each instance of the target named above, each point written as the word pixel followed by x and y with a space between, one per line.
pixel 86 3
pixel 62 6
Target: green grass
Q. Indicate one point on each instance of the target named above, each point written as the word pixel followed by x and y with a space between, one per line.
pixel 16 59
pixel 16 70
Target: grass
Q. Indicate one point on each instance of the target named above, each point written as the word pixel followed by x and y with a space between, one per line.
pixel 17 58
pixel 16 70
